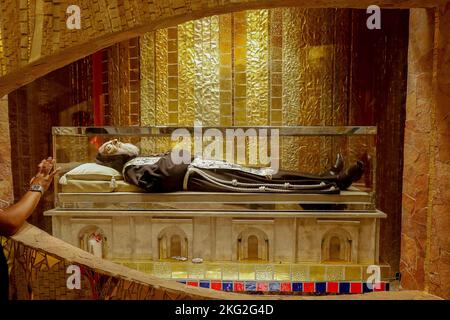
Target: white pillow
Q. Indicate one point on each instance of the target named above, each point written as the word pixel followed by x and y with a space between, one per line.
pixel 93 171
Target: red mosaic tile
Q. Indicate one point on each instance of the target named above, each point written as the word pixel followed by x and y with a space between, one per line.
pixel 262 286
pixel 308 286
pixel 286 287
pixel 332 287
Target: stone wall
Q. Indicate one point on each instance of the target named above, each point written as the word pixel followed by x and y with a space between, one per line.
pixel 425 247
pixel 30 50
pixel 5 153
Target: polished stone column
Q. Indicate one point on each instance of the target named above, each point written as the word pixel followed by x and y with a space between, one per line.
pixel 438 251
pixel 6 193
pixel 425 248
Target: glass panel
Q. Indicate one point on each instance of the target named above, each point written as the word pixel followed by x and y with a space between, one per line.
pixel 74 146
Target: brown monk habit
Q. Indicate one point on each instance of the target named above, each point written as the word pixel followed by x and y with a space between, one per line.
pixel 160 174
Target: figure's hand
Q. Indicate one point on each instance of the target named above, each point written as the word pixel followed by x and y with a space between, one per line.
pixel 45 174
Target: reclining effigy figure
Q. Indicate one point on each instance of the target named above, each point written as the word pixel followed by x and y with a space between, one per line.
pixel 159 173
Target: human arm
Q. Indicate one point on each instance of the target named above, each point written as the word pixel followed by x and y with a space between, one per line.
pixel 13 217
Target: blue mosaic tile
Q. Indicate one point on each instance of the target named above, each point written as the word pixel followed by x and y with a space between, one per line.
pixel 250 286
pixel 297 286
pixel 366 288
pixel 274 286
pixel 227 286
pixel 344 287
pixel 321 287
pixel 204 284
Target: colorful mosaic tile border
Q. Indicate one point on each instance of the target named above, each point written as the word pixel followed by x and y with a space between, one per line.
pixel 232 271
pixel 288 287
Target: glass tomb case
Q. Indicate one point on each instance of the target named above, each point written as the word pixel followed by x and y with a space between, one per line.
pixel 310 149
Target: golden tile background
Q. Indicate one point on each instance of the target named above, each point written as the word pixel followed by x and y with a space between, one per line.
pixel 253 271
pixel 161 77
pixel 283 66
pixel 148 90
pixel 257 71
pixel 186 68
pixel 2 57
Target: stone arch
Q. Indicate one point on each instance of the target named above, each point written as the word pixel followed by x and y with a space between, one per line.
pixel 172 241
pixel 336 246
pixel 93 240
pixel 253 244
pixel 52 49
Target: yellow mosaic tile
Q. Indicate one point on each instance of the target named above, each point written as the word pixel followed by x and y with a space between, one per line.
pixel 172 57
pixel 352 273
pixel 276 103
pixel 173 106
pixel 225 59
pixel 277 116
pixel 240 91
pixel 230 271
pixel 173 95
pixel 299 273
pixel 179 271
pixel 317 273
pixel 276 91
pixel 335 273
pixel 161 74
pixel 196 271
pixel 162 270
pixel 264 272
pixel 225 85
pixel 146 267
pixel 173 118
pixel 282 272
pixel 213 271
pixel 173 82
pixel 246 272
pixel 130 265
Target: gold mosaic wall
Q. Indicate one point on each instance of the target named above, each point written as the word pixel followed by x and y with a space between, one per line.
pixel 2 56
pixel 284 66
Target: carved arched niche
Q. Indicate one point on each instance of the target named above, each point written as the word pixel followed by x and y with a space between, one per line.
pixel 172 242
pixel 253 244
pixel 337 246
pixel 93 240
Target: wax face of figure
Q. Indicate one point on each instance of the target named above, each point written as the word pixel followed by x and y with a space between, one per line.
pixel 115 147
pixel 115 154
